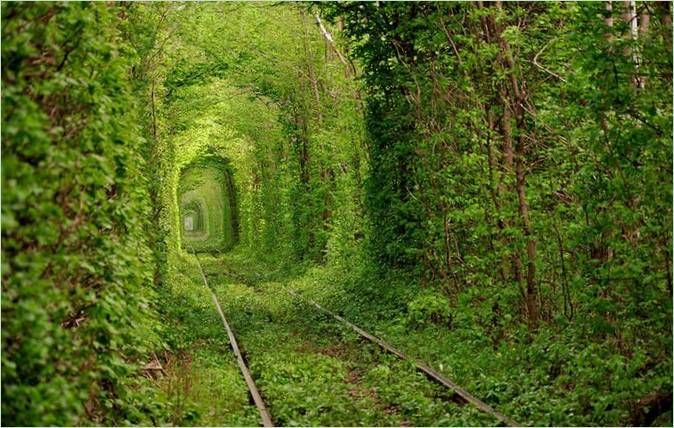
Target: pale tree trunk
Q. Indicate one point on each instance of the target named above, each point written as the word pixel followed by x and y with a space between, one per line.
pixel 332 44
pixel 609 20
pixel 645 21
pixel 609 37
pixel 643 31
pixel 630 17
pixel 349 67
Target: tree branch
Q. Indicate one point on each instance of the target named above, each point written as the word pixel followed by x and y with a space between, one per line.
pixel 542 67
pixel 330 40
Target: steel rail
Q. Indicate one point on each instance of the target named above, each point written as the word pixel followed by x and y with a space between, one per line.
pixel 420 365
pixel 254 392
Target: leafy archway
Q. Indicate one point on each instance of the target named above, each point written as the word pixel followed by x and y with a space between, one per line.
pixel 207 205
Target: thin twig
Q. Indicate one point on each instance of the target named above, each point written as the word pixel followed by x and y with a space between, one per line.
pixel 542 67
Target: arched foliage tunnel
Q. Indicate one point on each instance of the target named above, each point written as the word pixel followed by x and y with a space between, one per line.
pixel 208 206
pixel 485 185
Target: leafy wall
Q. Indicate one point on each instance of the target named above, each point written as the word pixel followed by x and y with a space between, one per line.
pixel 77 291
pixel 515 148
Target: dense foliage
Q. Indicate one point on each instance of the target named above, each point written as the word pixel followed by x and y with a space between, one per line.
pixel 76 289
pixel 480 151
pixel 487 185
pixel 207 202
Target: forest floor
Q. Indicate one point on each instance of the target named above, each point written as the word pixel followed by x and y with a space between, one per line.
pixel 310 369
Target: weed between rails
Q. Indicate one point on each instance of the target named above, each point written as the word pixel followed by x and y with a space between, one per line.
pixel 313 371
pixel 202 381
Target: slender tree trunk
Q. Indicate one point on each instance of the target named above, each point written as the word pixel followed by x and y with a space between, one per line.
pixel 668 270
pixel 532 288
pixel 493 33
pixel 645 22
pixel 508 160
pixel 154 115
pixel 514 99
pixel 495 194
pixel 630 17
pixel 665 12
pixel 313 80
pixel 608 20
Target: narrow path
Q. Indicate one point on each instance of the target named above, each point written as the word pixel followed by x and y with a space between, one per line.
pixel 312 370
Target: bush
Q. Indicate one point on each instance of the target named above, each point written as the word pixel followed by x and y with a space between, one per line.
pixel 429 308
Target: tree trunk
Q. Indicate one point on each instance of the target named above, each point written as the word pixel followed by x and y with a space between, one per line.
pixel 493 190
pixel 609 20
pixel 630 17
pixel 514 99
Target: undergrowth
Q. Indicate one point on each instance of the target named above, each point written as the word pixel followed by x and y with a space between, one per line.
pixel 555 377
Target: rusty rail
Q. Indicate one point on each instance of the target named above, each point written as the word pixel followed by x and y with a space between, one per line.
pixel 420 365
pixel 254 392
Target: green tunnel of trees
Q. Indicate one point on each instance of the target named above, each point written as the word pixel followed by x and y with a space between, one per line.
pixel 486 183
pixel 208 207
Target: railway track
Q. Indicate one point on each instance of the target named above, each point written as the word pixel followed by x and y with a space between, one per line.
pixel 420 365
pixel 250 382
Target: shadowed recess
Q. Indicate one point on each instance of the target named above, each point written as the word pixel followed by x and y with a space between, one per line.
pixel 208 210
